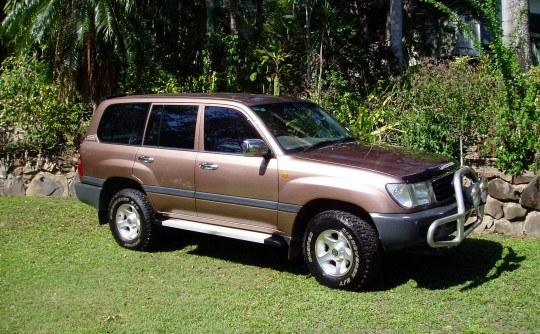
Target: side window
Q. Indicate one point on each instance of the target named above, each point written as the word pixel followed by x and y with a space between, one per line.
pixel 123 123
pixel 225 130
pixel 172 126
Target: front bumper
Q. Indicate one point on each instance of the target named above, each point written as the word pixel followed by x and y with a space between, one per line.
pixel 435 226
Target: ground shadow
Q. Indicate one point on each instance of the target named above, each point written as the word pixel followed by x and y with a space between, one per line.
pixel 472 264
pixel 244 252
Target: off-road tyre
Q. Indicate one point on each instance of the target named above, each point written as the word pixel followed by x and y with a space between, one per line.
pixel 130 217
pixel 342 251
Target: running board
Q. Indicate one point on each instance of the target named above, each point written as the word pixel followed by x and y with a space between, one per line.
pixel 228 232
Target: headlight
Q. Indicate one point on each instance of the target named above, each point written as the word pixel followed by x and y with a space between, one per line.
pixel 411 195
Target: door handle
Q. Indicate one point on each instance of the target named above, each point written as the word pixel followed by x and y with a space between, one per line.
pixel 145 159
pixel 208 166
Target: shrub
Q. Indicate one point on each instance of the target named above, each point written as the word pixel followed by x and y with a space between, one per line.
pixel 364 116
pixel 518 125
pixel 151 79
pixel 37 117
pixel 518 117
pixel 444 107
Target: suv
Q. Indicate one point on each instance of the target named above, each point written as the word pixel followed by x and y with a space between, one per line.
pixel 273 170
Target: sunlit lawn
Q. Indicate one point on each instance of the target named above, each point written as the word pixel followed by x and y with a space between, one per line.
pixel 61 272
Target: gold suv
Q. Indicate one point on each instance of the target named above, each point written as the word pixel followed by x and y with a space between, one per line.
pixel 272 170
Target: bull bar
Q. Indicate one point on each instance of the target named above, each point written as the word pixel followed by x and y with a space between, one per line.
pixel 476 197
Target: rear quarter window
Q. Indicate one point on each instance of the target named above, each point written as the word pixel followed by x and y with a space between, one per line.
pixel 123 123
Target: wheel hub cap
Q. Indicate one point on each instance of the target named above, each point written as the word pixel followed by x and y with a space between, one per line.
pixel 334 253
pixel 128 222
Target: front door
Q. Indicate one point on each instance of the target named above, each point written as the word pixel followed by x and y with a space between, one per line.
pixel 231 189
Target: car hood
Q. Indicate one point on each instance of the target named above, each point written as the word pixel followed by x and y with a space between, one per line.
pixel 408 165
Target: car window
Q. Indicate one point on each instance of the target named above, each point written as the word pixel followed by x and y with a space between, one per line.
pixel 300 126
pixel 225 129
pixel 123 123
pixel 172 126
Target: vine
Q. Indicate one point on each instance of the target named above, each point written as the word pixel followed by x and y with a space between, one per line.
pixel 517 124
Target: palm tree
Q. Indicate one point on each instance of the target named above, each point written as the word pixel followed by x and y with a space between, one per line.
pixel 86 40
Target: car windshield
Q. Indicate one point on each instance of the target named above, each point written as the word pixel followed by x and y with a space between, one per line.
pixel 301 126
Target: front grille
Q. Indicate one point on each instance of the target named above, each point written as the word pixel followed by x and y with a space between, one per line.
pixel 443 187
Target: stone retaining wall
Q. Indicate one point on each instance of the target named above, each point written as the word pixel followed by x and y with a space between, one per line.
pixel 39 178
pixel 513 205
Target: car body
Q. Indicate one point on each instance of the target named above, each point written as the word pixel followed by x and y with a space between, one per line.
pixel 269 169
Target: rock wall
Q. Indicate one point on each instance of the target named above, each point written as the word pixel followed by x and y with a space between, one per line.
pixel 513 205
pixel 39 178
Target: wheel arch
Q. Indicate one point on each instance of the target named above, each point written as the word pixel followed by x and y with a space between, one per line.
pixel 314 207
pixel 111 187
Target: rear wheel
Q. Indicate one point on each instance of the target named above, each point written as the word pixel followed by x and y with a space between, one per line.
pixel 130 218
pixel 342 250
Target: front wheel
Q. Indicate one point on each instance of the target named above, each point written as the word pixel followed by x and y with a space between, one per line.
pixel 341 250
pixel 130 218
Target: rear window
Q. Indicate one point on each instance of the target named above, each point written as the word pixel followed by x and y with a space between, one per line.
pixel 123 123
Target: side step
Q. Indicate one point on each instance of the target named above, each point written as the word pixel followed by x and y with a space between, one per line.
pixel 228 232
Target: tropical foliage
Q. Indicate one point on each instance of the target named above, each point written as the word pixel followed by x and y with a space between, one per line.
pixel 84 41
pixel 36 118
pixel 337 53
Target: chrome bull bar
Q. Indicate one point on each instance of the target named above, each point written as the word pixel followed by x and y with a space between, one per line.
pixel 475 195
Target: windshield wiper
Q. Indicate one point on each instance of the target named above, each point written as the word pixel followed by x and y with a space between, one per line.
pixel 343 140
pixel 329 142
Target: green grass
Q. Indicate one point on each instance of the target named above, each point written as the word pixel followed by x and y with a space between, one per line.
pixel 60 272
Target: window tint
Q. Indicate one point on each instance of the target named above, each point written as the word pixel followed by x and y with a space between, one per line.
pixel 225 130
pixel 123 123
pixel 172 126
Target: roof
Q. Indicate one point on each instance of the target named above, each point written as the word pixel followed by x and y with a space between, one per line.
pixel 247 99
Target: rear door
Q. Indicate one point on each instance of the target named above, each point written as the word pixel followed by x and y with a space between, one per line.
pixel 165 162
pixel 231 189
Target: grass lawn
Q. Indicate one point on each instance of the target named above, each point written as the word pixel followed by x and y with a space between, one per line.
pixel 60 272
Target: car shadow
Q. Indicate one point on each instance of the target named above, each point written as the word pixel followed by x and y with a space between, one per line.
pixel 243 252
pixel 473 263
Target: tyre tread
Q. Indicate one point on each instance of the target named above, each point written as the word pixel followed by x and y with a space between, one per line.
pixel 368 243
pixel 149 234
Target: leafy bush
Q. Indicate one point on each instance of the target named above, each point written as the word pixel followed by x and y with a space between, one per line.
pixel 364 116
pixel 518 125
pixel 151 79
pixel 518 117
pixel 446 107
pixel 36 117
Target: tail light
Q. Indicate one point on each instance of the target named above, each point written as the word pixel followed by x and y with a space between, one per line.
pixel 79 166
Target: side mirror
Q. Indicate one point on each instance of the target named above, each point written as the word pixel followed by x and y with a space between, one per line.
pixel 255 148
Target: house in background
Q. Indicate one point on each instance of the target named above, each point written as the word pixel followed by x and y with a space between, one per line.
pixel 520 28
pixel 534 29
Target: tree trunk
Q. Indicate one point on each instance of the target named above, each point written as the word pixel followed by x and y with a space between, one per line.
pixel 234 14
pixel 210 17
pixel 3 50
pixel 321 63
pixel 395 30
pixel 515 25
pixel 309 10
pixel 259 20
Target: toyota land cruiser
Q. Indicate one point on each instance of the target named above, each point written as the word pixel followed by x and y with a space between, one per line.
pixel 273 170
